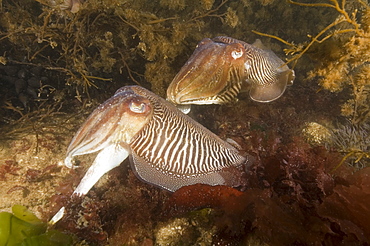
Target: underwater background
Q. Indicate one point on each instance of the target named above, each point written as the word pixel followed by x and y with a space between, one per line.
pixel 309 182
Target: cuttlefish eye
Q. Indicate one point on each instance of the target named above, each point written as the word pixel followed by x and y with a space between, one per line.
pixel 138 107
pixel 237 54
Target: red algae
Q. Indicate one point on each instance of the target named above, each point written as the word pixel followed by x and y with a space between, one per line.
pixel 35 175
pixel 9 167
pixel 123 210
pixel 198 196
pixel 82 218
pixel 293 199
pixel 347 208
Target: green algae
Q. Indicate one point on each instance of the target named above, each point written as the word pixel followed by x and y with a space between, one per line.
pixel 23 228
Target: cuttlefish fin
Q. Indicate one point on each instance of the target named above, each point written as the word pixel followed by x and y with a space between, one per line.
pixel 150 174
pixel 107 159
pixel 173 181
pixel 272 91
pixel 258 43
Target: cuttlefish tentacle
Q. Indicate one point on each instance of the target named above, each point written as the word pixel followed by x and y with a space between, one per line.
pixel 218 68
pixel 167 148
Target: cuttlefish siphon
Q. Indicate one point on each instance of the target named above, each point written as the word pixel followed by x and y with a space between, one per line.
pixel 219 68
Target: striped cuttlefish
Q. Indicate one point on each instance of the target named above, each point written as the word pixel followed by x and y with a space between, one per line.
pixel 166 147
pixel 220 67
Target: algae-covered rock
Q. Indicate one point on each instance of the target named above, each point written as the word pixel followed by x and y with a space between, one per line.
pixel 197 228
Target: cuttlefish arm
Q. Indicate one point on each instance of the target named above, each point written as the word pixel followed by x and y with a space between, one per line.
pixel 107 159
pixel 114 121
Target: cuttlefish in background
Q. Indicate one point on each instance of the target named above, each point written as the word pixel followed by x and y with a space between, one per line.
pixel 219 68
pixel 167 148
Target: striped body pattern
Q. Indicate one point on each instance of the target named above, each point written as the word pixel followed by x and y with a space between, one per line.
pixel 267 74
pixel 231 90
pixel 219 68
pixel 176 146
pixel 167 148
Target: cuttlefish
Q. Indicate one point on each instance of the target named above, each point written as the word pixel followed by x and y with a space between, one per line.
pixel 167 148
pixel 219 68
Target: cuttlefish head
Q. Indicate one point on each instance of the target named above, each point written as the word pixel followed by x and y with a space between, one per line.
pixel 115 121
pixel 109 129
pixel 212 75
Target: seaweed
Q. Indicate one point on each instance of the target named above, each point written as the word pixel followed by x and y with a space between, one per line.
pixel 329 31
pixel 350 140
pixel 342 48
pixel 354 143
pixel 10 166
pixel 88 49
pixel 99 37
pixel 22 227
pixel 292 199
